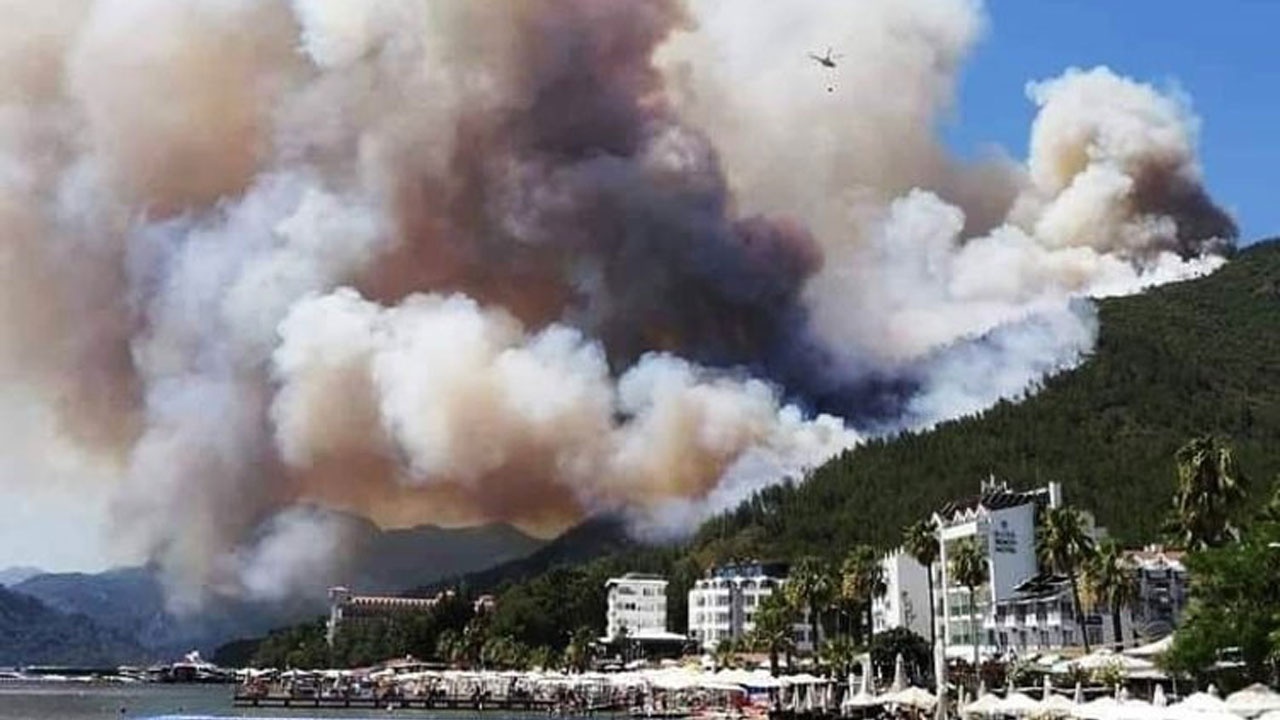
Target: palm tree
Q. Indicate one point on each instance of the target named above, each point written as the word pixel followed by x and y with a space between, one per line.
pixel 449 646
pixel 772 633
pixel 969 569
pixel 1063 545
pixel 810 588
pixel 862 581
pixel 581 649
pixel 1209 486
pixel 726 654
pixel 839 655
pixel 920 540
pixel 1109 580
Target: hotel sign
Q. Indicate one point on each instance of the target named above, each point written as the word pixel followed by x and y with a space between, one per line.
pixel 1004 540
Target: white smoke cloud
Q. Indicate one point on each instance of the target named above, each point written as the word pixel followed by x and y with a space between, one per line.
pixel 294 556
pixel 184 208
pixel 467 396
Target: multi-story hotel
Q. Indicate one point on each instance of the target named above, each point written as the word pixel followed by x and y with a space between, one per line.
pixel 1162 589
pixel 1021 607
pixel 722 605
pixel 636 605
pixel 905 603
pixel 346 605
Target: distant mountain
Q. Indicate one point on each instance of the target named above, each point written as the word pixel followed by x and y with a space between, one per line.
pixel 32 633
pixel 15 575
pixel 131 601
pixel 395 560
pixel 587 541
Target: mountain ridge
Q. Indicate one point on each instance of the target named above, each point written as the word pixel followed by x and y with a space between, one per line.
pixel 33 633
pixel 130 601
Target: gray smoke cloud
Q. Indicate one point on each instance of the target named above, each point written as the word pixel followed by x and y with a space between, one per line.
pixel 526 261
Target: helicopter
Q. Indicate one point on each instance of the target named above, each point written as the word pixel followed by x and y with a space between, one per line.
pixel 828 60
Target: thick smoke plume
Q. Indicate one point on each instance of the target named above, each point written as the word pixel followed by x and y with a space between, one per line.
pixel 527 260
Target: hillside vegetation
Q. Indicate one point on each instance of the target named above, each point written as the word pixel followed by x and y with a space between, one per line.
pixel 1174 362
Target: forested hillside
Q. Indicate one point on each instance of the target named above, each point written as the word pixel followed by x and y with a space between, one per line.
pixel 1174 362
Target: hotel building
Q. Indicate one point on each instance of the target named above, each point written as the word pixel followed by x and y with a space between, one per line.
pixel 723 604
pixel 636 605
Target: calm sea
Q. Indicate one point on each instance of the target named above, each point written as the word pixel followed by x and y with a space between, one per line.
pixel 75 701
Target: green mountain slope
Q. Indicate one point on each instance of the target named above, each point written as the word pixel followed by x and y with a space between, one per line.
pixel 1176 361
pixel 32 633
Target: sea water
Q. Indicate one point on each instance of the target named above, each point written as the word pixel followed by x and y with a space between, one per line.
pixel 82 701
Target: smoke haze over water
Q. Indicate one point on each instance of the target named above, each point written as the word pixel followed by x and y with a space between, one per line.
pixel 447 261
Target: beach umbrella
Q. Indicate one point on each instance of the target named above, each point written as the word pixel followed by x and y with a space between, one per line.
pixel 1079 694
pixel 1158 698
pixel 1018 705
pixel 1099 709
pixel 899 674
pixel 913 697
pixel 1253 701
pixel 1054 705
pixel 1202 703
pixel 1151 650
pixel 1105 658
pixel 986 704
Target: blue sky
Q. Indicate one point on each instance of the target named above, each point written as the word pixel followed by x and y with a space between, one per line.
pixel 1222 54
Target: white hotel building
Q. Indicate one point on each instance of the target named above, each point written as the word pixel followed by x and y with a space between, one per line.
pixel 1020 608
pixel 723 604
pixel 905 603
pixel 637 603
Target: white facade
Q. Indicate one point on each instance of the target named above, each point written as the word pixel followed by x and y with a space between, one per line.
pixel 1042 617
pixel 722 606
pixel 905 603
pixel 637 603
pixel 1003 524
pixel 1162 590
pixel 1019 608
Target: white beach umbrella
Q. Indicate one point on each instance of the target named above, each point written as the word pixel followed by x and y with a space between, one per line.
pixel 986 705
pixel 1150 650
pixel 1253 701
pixel 912 697
pixel 1018 705
pixel 1099 709
pixel 1106 658
pixel 1158 698
pixel 1054 705
pixel 1203 703
pixel 899 674
pixel 863 700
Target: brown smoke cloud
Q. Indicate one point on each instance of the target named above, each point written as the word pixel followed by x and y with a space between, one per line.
pixel 453 262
